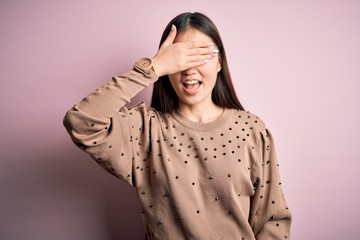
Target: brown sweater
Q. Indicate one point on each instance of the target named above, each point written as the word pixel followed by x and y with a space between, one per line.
pixel 216 180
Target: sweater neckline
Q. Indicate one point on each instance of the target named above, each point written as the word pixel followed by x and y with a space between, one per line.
pixel 218 122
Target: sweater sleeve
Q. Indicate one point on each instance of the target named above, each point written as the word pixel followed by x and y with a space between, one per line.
pixel 112 134
pixel 270 217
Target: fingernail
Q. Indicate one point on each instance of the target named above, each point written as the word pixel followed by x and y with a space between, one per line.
pixel 206 60
pixel 215 50
pixel 211 43
pixel 172 27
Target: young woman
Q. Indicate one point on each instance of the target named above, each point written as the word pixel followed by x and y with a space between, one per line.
pixel 203 168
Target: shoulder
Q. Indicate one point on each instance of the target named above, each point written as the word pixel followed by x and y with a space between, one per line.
pixel 142 112
pixel 248 119
pixel 138 108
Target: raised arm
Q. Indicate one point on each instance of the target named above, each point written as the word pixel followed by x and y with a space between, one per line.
pixel 109 136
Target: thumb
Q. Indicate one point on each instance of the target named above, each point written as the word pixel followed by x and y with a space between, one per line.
pixel 171 36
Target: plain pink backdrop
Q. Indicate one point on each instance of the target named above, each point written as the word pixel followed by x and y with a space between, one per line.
pixel 296 64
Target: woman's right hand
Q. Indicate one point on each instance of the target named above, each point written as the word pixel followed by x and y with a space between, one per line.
pixel 176 57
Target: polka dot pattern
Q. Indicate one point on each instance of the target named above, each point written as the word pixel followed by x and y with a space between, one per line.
pixel 217 180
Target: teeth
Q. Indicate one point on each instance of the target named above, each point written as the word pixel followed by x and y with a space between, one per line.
pixel 191 82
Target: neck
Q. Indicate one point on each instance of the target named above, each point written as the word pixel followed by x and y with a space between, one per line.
pixel 199 113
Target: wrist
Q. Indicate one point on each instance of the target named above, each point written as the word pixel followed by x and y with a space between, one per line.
pixel 145 65
pixel 155 66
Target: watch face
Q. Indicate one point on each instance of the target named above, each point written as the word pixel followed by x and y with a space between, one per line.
pixel 144 63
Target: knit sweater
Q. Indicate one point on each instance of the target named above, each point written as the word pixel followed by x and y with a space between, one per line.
pixel 215 180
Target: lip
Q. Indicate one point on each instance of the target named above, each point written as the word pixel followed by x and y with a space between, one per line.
pixel 191 91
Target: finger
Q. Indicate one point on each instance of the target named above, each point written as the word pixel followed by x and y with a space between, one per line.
pixel 196 63
pixel 171 36
pixel 200 44
pixel 202 51
pixel 201 58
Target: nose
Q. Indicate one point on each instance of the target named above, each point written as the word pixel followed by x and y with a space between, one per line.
pixel 189 71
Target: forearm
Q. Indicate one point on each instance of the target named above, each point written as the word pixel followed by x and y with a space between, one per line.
pixel 109 98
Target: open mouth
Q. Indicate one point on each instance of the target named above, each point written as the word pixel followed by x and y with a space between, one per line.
pixel 191 84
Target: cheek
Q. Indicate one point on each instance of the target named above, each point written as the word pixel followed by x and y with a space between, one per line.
pixel 175 76
pixel 209 70
pixel 174 80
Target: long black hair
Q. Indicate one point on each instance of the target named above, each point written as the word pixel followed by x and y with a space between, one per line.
pixel 164 98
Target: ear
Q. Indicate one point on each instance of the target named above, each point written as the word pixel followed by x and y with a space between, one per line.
pixel 218 66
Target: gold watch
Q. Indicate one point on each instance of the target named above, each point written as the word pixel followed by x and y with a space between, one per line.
pixel 144 65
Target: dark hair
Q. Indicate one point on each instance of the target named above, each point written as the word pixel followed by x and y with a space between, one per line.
pixel 164 98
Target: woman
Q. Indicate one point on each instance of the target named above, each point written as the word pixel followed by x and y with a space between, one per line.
pixel 203 168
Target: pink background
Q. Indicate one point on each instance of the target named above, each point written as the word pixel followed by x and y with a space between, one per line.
pixel 296 64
